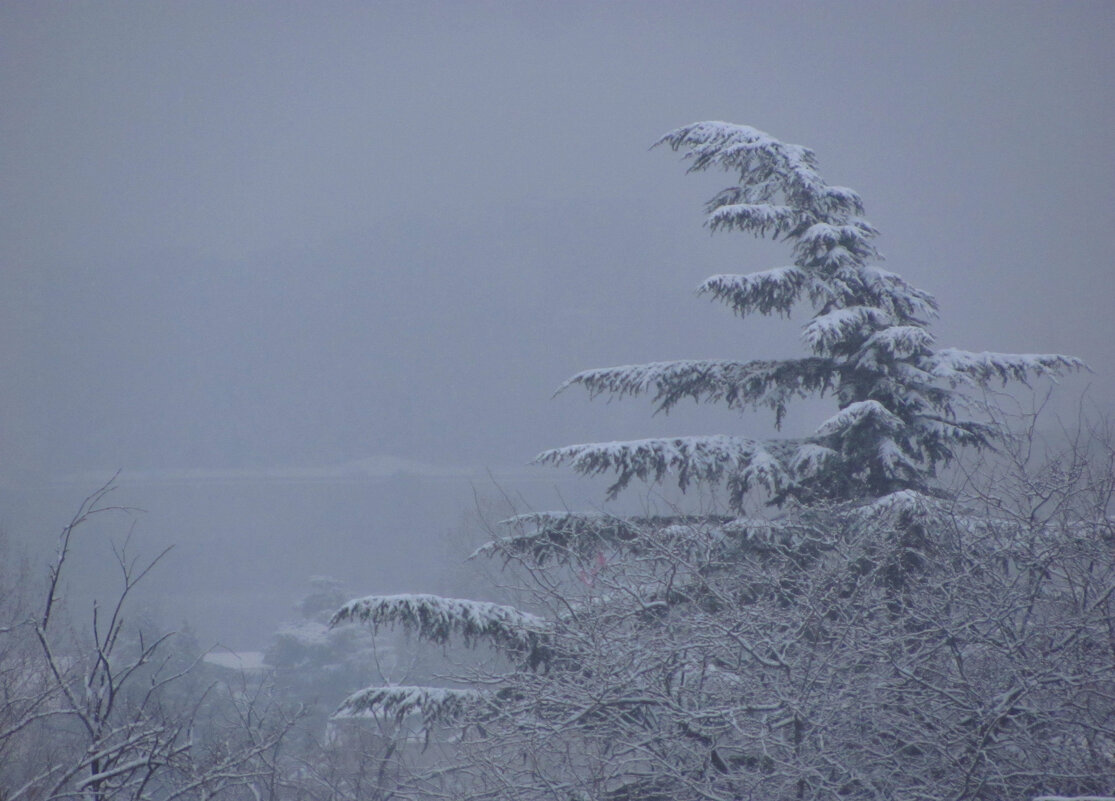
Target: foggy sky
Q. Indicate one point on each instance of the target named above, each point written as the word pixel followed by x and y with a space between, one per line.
pixel 239 235
pixel 281 232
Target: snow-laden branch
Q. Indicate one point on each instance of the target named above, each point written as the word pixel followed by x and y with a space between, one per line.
pixel 894 460
pixel 858 414
pixel 767 168
pixel 765 292
pixel 894 342
pixel 433 704
pixel 690 459
pixel 904 504
pixel 756 218
pixel 437 619
pixel 564 536
pixel 811 459
pixel 825 332
pixel 897 296
pixel 821 238
pixel 953 432
pixel 738 384
pixel 961 366
pixel 733 147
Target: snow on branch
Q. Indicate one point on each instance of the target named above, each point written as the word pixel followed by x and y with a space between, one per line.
pixel 839 200
pixel 826 331
pixel 814 245
pixel 811 460
pixel 739 384
pixel 710 458
pixel 761 470
pixel 755 218
pixel 434 704
pixel 895 342
pixel 765 531
pixel 436 619
pixel 780 191
pixel 903 300
pixel 565 536
pixel 765 166
pixel 961 366
pixel 731 146
pixel 961 432
pixel 895 460
pixel 765 292
pixel 904 505
pixel 857 414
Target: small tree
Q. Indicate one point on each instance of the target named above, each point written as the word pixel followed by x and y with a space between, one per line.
pixel 838 649
pixel 102 715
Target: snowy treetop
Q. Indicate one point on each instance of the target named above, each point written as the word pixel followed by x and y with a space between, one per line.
pixel 819 216
pixel 868 342
pixel 766 166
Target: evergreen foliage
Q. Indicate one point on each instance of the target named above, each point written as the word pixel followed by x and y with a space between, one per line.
pixel 900 402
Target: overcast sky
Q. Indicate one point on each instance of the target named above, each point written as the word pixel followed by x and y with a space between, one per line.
pixel 240 234
pixel 276 236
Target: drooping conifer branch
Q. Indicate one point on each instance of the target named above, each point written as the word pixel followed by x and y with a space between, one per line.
pixel 690 459
pixel 438 619
pixel 565 537
pixel 738 384
pixel 435 705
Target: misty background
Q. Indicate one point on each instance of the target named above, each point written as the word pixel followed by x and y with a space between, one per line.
pixel 309 274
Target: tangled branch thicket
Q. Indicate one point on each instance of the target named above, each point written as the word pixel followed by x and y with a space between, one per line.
pixel 952 647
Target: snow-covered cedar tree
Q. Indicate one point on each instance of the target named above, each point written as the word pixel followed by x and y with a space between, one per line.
pixel 869 639
pixel 899 401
